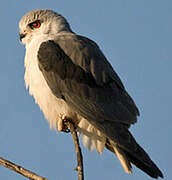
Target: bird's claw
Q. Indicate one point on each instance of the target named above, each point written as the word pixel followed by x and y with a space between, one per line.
pixel 62 123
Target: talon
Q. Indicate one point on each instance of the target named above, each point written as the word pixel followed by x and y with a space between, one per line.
pixel 66 130
pixel 61 123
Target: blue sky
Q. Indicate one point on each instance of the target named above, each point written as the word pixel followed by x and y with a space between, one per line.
pixel 136 38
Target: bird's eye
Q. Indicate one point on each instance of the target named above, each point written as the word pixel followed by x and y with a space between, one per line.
pixel 35 25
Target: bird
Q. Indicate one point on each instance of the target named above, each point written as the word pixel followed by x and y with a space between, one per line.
pixel 70 78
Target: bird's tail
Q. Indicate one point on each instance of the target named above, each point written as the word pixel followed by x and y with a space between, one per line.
pixel 123 159
pixel 134 155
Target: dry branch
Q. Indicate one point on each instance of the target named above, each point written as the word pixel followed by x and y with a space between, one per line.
pixel 79 167
pixel 20 170
pixel 31 175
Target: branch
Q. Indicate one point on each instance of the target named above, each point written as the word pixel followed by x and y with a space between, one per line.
pixel 20 170
pixel 79 167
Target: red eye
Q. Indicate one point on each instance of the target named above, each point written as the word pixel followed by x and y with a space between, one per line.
pixel 35 25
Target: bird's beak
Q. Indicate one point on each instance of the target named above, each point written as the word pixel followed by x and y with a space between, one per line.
pixel 21 36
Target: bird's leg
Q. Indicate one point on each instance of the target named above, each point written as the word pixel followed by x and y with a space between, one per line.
pixel 65 124
pixel 61 123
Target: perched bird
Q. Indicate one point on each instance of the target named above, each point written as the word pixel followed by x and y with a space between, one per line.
pixel 70 78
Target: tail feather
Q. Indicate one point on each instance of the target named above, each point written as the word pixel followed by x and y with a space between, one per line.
pixel 142 162
pixel 123 159
pixel 150 168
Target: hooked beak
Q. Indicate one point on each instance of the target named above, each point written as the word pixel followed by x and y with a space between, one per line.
pixel 21 36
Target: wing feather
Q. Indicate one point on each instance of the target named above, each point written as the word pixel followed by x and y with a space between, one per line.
pixel 76 69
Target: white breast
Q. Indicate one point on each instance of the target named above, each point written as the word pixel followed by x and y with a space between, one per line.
pixel 49 104
pixel 35 82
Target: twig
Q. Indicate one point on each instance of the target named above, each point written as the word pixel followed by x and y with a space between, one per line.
pixel 79 167
pixel 20 170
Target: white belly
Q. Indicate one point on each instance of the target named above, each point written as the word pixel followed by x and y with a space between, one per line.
pixel 49 104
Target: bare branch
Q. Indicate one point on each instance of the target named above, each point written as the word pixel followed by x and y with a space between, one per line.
pixel 20 170
pixel 79 168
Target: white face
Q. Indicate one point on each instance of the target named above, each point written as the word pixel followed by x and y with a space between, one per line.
pixel 35 28
pixel 41 22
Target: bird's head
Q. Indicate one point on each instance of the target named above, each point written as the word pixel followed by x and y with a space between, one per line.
pixel 41 22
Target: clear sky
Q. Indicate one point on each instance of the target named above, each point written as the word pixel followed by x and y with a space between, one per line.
pixel 136 38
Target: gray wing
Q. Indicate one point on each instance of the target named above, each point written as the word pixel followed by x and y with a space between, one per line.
pixel 77 71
